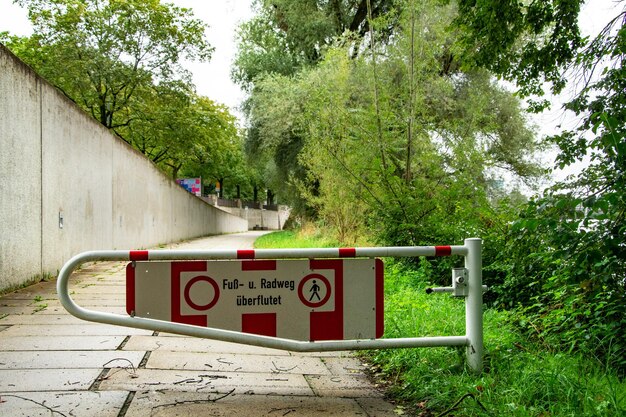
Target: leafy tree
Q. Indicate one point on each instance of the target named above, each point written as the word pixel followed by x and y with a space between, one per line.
pixel 262 50
pixel 183 132
pixel 287 35
pixel 216 150
pixel 120 61
pixel 164 124
pixel 390 138
pixel 274 138
pixel 525 42
pixel 283 38
pixel 562 262
pixel 101 53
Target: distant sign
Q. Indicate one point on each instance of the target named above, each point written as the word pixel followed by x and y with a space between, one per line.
pixel 193 185
pixel 330 299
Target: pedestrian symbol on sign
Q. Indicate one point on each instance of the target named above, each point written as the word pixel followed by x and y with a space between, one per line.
pixel 314 290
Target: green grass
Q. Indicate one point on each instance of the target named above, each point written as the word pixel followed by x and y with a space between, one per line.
pixel 40 307
pixel 521 378
pixel 291 239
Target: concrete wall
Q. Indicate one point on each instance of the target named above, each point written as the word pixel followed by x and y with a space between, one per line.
pixel 20 171
pixel 55 160
pixel 267 219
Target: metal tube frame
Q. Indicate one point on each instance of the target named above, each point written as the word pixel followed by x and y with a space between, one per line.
pixel 471 250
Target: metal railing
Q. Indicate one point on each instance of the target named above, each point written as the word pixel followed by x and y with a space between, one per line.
pixel 472 291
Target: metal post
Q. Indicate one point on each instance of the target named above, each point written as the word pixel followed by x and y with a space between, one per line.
pixel 474 305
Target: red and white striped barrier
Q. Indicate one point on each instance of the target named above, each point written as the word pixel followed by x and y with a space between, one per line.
pixel 471 251
pixel 312 253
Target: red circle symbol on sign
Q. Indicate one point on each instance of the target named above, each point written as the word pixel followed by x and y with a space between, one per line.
pixel 314 290
pixel 191 283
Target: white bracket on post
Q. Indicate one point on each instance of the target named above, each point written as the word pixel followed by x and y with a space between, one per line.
pixel 459 282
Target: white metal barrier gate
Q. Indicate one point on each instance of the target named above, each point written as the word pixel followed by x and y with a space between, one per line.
pixel 467 282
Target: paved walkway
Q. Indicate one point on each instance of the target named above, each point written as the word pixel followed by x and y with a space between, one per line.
pixel 53 364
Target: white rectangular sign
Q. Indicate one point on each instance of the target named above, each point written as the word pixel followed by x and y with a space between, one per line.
pixel 314 299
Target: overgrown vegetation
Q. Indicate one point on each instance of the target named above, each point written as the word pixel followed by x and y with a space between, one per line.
pixel 563 260
pixel 387 136
pixel 308 237
pixel 521 377
pixel 400 132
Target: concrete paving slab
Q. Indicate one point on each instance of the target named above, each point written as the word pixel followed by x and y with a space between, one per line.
pixel 338 354
pixel 88 329
pixel 208 382
pixel 95 293
pixel 58 309
pixel 48 319
pixel 12 380
pixel 221 362
pixel 228 345
pixel 39 343
pixel 99 295
pixel 99 266
pixel 83 404
pixel 110 266
pixel 30 297
pixel 118 276
pixel 345 366
pixel 378 407
pixel 17 310
pixel 81 281
pixel 91 273
pixel 32 290
pixel 192 344
pixel 106 285
pixel 92 302
pixel 112 289
pixel 345 386
pixel 235 241
pixel 109 283
pixel 69 359
pixel 169 404
pixel 7 302
pixel 96 268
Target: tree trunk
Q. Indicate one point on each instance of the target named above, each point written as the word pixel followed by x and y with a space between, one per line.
pixel 175 169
